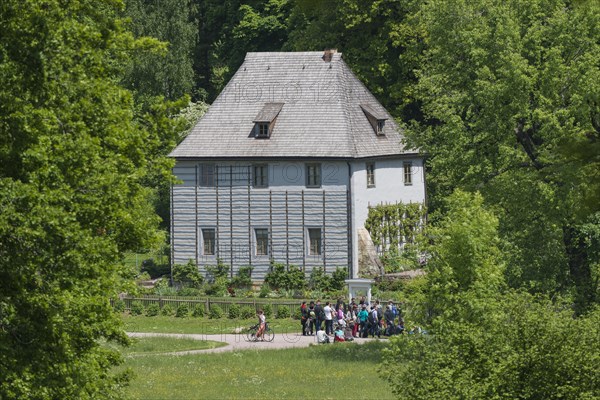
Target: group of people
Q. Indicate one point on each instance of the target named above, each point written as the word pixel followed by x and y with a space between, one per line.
pixel 344 322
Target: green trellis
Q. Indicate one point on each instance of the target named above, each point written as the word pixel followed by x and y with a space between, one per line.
pixel 391 226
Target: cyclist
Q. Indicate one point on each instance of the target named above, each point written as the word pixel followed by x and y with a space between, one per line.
pixel 262 321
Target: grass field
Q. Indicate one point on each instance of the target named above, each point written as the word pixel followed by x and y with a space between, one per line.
pixel 163 324
pixel 340 371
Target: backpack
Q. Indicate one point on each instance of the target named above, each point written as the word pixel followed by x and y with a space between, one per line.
pixel 371 317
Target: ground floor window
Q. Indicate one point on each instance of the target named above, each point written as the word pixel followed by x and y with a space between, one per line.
pixel 262 241
pixel 314 241
pixel 208 242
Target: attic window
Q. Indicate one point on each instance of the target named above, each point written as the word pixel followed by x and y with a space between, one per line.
pixel 376 119
pixel 265 120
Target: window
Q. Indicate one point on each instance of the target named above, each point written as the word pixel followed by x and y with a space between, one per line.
pixel 262 241
pixel 262 130
pixel 380 126
pixel 261 176
pixel 370 175
pixel 207 175
pixel 314 241
pixel 313 175
pixel 408 173
pixel 208 242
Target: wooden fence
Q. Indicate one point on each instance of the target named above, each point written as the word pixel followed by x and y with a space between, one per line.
pixel 223 303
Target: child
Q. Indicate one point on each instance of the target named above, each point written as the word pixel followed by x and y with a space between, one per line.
pixel 262 321
pixel 339 334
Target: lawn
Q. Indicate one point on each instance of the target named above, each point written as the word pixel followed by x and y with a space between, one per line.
pixel 164 324
pixel 340 371
pixel 158 345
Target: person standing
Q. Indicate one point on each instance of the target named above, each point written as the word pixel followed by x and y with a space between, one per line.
pixel 363 315
pixel 303 317
pixel 320 315
pixel 328 311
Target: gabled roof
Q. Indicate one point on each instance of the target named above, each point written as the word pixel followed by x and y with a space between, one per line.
pixel 318 104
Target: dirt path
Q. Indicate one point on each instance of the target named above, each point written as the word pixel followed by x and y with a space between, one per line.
pixel 236 342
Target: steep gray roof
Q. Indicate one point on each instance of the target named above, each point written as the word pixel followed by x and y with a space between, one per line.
pixel 321 114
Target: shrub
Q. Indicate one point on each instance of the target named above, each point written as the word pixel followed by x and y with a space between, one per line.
pixel 187 275
pixel 152 310
pixel 189 291
pixel 137 308
pixel 247 312
pixel 338 278
pixel 319 280
pixel 218 288
pixel 167 310
pixel 234 311
pixel 182 310
pixel 267 310
pixel 221 270
pixel 119 305
pixel 198 311
pixel 155 270
pixel 265 289
pixel 298 314
pixel 279 278
pixel 243 278
pixel 283 312
pixel 215 312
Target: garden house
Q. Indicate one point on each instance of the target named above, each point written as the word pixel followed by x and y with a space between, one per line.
pixel 284 166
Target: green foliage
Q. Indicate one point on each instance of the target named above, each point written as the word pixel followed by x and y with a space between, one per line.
pixel 215 312
pixel 155 270
pixel 523 347
pixel 234 311
pixel 167 310
pixel 182 311
pixel 168 71
pixel 511 109
pixel 152 310
pixel 283 312
pixel 119 305
pixel 213 273
pixel 137 308
pixel 187 275
pixel 265 289
pixel 267 310
pixel 198 311
pixel 319 280
pixel 243 278
pixel 247 312
pixel 280 278
pixel 218 288
pixel 338 278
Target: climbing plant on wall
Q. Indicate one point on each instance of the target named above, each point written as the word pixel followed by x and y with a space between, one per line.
pixel 393 225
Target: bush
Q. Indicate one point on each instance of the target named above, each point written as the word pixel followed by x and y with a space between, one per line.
pixel 234 311
pixel 243 278
pixel 187 275
pixel 152 310
pixel 190 292
pixel 167 310
pixel 279 278
pixel 213 273
pixel 265 289
pixel 182 310
pixel 320 281
pixel 215 312
pixel 218 288
pixel 267 310
pixel 198 311
pixel 338 278
pixel 119 305
pixel 247 312
pixel 137 308
pixel 155 270
pixel 283 312
pixel 298 314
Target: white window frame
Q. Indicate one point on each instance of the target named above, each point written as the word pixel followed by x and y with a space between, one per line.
pixel 309 244
pixel 407 169
pixel 313 175
pixel 214 241
pixel 370 168
pixel 256 241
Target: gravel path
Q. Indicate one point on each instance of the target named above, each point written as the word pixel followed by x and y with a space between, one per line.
pixel 236 342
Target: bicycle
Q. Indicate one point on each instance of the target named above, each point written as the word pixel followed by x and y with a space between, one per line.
pixel 267 336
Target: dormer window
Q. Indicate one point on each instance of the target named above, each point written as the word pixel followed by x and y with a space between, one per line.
pixel 262 130
pixel 265 120
pixel 376 119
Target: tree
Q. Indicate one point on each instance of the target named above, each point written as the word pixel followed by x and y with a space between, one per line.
pixel 505 87
pixel 72 162
pixel 169 72
pixel 522 348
